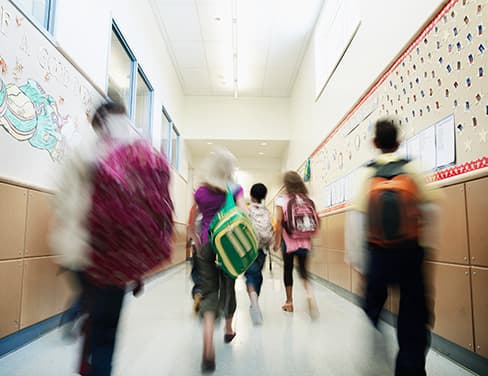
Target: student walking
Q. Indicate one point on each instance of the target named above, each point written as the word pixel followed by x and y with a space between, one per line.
pixel 296 223
pixel 390 198
pixel 261 220
pixel 217 288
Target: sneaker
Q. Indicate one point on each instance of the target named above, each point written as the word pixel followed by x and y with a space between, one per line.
pixel 256 316
pixel 197 299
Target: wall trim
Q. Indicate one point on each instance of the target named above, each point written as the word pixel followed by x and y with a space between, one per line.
pixel 23 337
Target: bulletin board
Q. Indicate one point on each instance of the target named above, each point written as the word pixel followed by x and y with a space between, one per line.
pixel 437 88
pixel 45 101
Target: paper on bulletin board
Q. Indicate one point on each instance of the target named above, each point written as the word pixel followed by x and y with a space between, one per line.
pixel 328 196
pixel 445 141
pixel 427 149
pixel 413 148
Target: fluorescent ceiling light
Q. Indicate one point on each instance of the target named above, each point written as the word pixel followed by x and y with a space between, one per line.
pixel 264 144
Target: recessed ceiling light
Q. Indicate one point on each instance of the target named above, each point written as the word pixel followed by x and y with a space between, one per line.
pixel 264 144
pixel 210 143
pixel 261 153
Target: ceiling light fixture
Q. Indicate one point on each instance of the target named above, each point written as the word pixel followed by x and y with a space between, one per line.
pixel 264 144
pixel 261 153
pixel 209 143
pixel 234 47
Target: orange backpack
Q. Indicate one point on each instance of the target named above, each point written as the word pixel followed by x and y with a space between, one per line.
pixel 393 215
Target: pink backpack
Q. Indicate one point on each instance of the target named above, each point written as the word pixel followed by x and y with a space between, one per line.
pixel 300 219
pixel 131 218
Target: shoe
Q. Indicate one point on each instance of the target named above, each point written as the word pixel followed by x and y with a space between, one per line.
pixel 229 337
pixel 312 309
pixel 256 315
pixel 197 299
pixel 287 307
pixel 208 365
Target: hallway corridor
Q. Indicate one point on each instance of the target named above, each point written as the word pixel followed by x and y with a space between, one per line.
pixel 160 336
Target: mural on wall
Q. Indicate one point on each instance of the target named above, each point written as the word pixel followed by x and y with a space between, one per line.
pixel 437 88
pixel 29 114
pixel 45 101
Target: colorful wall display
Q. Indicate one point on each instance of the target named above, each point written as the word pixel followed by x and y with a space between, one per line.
pixel 45 102
pixel 438 90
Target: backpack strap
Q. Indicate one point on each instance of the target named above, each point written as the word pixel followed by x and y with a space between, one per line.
pixel 389 170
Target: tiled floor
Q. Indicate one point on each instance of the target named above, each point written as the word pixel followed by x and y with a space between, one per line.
pixel 160 336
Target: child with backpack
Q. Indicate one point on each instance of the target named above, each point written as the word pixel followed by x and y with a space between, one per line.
pixel 261 220
pixel 123 229
pixel 390 199
pixel 297 221
pixel 216 286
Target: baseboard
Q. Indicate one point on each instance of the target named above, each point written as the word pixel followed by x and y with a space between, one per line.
pixel 25 336
pixel 458 354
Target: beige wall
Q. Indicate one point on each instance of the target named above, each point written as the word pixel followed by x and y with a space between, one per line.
pixel 36 288
pixel 458 271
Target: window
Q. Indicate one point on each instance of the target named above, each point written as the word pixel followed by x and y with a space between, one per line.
pixel 175 147
pixel 41 11
pixel 143 104
pixel 128 84
pixel 120 67
pixel 165 132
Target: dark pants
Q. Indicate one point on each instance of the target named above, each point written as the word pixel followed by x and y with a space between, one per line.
pixel 218 294
pixel 78 307
pixel 106 303
pixel 254 275
pixel 302 255
pixel 402 267
pixel 195 275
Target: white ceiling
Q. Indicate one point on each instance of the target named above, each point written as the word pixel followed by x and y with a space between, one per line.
pixel 272 36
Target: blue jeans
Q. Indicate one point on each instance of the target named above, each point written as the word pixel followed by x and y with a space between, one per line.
pixel 254 275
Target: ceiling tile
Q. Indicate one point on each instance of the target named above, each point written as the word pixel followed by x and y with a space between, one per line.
pixel 181 21
pixel 278 77
pixel 216 20
pixel 219 55
pixel 196 78
pixel 284 52
pixel 189 54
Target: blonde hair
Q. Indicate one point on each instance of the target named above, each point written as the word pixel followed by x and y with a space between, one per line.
pixel 218 169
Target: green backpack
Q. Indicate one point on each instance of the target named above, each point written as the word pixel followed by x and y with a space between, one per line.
pixel 232 237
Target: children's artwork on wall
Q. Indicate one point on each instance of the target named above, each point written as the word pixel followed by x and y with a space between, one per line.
pixel 437 90
pixel 45 102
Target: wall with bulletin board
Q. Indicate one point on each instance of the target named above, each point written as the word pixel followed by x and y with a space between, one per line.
pixel 437 88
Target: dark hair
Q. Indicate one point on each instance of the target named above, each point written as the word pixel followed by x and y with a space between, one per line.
pixel 259 192
pixel 105 109
pixel 386 133
pixel 294 183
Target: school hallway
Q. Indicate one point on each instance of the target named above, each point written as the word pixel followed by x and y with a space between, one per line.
pixel 159 335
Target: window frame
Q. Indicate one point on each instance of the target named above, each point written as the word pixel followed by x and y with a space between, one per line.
pixel 169 143
pixel 47 25
pixel 175 164
pixel 169 123
pixel 140 71
pixel 135 70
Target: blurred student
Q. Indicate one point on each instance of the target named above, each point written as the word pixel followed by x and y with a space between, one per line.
pixel 195 223
pixel 297 222
pixel 389 204
pixel 217 288
pixel 261 220
pixel 126 221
